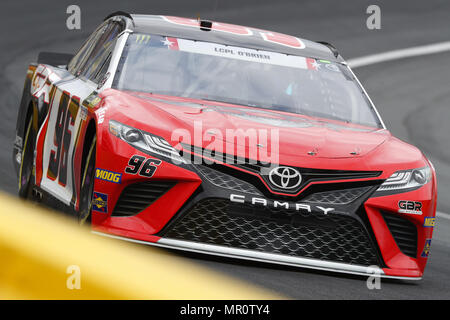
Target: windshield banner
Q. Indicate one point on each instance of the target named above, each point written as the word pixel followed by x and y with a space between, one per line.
pixel 214 49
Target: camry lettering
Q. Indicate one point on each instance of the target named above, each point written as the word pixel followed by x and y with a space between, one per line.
pixel 325 210
pixel 302 206
pixel 259 200
pixel 238 198
pixel 277 204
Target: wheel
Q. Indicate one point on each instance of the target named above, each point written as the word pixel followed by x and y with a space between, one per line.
pixel 87 185
pixel 26 164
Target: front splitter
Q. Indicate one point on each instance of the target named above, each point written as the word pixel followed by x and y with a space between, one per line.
pixel 274 258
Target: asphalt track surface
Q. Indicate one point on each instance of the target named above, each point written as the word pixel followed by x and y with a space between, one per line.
pixel 412 95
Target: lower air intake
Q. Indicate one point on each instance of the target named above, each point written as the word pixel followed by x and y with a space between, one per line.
pixel 138 196
pixel 404 233
pixel 326 237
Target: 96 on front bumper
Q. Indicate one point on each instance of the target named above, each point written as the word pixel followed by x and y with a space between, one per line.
pixel 359 222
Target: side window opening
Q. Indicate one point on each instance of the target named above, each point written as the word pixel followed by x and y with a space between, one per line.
pixel 99 58
pixel 79 59
pixel 92 60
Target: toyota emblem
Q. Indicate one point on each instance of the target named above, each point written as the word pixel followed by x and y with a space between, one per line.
pixel 285 177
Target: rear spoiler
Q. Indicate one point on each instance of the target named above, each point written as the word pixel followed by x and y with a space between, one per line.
pixel 54 59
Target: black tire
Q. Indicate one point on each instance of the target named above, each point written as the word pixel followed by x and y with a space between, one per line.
pixel 87 184
pixel 26 170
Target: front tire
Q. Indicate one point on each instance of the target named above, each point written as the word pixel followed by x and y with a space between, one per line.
pixel 87 185
pixel 26 165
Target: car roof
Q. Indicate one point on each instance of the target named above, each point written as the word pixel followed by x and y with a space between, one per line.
pixel 165 26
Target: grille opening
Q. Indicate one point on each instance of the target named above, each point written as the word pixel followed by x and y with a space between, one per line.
pixel 259 170
pixel 326 237
pixel 340 196
pixel 340 193
pixel 226 181
pixel 138 196
pixel 404 233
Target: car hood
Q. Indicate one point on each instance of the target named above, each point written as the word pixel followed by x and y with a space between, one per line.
pixel 294 134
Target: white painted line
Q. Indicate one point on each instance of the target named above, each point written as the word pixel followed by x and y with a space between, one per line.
pixel 399 54
pixel 442 215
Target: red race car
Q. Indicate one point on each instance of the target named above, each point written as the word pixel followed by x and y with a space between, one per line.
pixel 225 140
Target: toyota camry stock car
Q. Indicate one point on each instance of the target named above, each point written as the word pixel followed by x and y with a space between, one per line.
pixel 225 140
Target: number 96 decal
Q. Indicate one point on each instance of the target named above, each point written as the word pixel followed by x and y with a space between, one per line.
pixel 142 166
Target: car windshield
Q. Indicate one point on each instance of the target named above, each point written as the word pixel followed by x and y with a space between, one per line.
pixel 268 80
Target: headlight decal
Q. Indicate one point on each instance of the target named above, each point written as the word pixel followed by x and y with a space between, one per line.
pixel 406 180
pixel 145 141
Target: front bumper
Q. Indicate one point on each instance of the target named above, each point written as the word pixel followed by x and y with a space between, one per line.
pixel 370 247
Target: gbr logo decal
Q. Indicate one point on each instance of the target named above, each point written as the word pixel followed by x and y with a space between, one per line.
pixel 410 207
pixel 274 37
